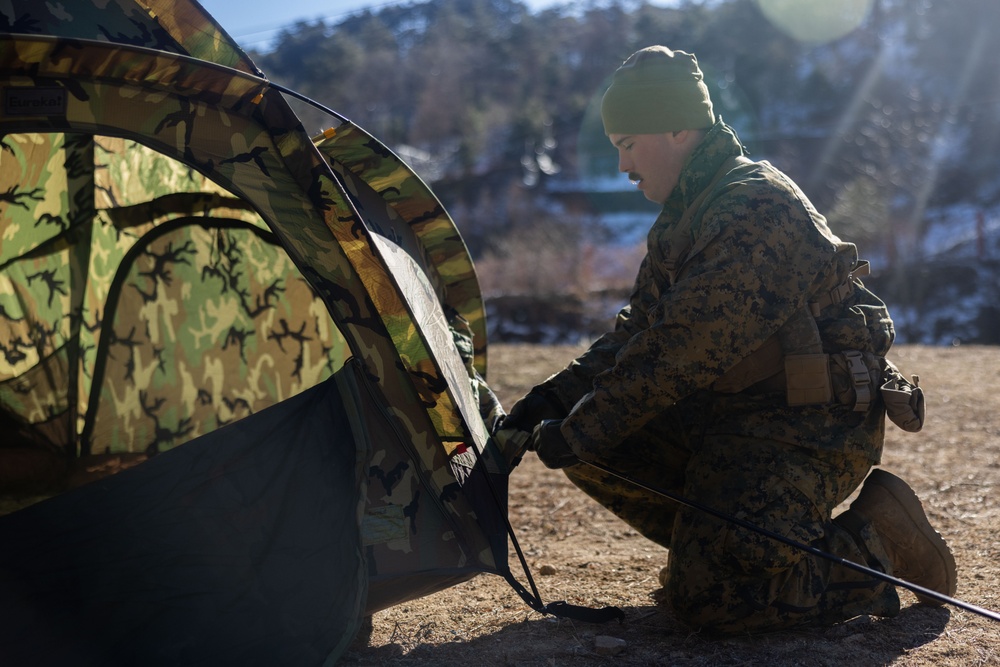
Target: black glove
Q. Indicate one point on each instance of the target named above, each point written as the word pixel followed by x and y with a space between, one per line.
pixel 512 433
pixel 531 410
pixel 548 442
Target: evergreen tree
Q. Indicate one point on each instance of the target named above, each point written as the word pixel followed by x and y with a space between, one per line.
pixel 900 111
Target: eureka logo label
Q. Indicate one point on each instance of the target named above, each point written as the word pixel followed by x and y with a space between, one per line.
pixel 34 101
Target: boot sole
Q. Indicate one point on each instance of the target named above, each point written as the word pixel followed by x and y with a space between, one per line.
pixel 908 500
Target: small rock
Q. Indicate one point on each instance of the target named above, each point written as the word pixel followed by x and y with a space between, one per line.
pixel 604 645
pixel 546 570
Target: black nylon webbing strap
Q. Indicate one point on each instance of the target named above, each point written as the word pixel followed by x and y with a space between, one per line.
pixel 587 614
pixel 563 609
pixel 532 598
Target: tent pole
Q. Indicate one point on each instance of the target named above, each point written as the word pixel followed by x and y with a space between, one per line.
pixel 987 613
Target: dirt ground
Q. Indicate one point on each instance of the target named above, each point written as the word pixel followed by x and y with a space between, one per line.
pixel 578 552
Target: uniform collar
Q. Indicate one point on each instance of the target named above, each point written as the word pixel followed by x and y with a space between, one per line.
pixel 720 143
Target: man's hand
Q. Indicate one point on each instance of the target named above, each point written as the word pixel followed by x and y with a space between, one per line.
pixel 548 442
pixel 531 410
pixel 514 433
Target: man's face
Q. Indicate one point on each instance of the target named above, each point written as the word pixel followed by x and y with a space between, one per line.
pixel 652 161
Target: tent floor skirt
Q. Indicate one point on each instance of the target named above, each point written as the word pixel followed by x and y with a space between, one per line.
pixel 240 547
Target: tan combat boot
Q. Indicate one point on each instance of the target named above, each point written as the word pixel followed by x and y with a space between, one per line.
pixel 917 552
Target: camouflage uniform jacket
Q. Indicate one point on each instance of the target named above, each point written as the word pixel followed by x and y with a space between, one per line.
pixel 757 252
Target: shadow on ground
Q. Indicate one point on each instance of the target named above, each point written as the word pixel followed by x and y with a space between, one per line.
pixel 651 635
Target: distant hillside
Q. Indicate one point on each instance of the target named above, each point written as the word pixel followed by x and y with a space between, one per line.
pixel 881 124
pixel 950 297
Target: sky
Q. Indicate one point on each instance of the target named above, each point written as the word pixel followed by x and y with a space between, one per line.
pixel 253 23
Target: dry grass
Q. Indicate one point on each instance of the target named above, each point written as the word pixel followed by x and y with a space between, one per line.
pixel 953 464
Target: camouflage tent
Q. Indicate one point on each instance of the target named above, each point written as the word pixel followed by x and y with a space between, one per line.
pixel 278 339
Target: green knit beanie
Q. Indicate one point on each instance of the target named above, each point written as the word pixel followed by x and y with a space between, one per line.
pixel 655 91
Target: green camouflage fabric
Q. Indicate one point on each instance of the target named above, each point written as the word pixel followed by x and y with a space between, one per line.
pixel 262 170
pixel 258 336
pixel 418 222
pixel 175 26
pixel 642 399
pixel 150 373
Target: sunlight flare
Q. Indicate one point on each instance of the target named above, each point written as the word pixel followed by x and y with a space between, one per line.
pixel 816 21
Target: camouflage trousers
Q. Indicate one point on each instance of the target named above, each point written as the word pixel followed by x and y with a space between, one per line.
pixel 723 578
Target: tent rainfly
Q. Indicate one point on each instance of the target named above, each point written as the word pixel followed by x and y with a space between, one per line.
pixel 277 340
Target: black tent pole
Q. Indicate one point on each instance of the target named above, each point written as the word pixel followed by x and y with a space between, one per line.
pixel 987 613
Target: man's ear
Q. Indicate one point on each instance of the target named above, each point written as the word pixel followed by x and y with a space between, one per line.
pixel 680 136
pixel 687 137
